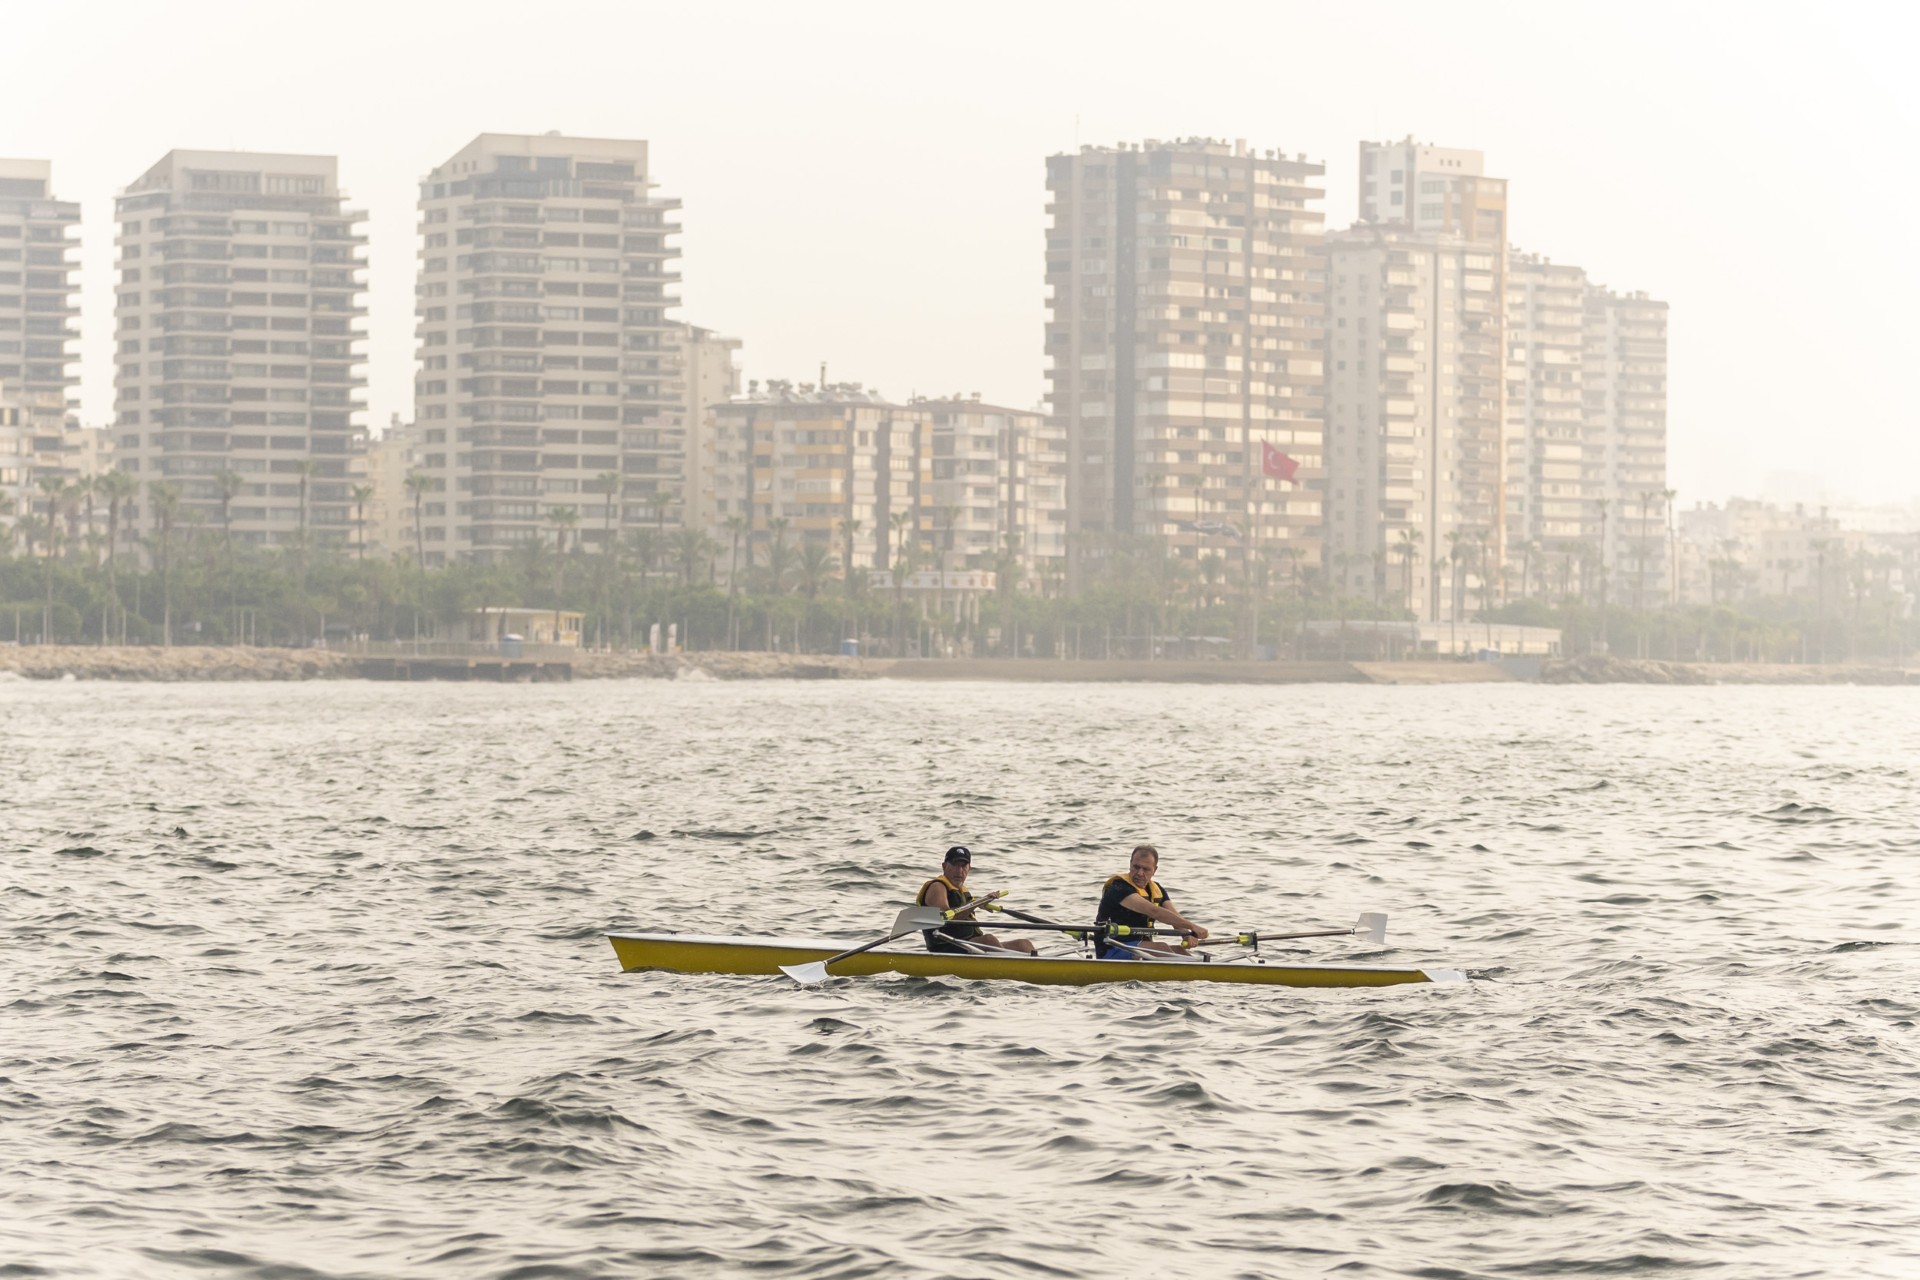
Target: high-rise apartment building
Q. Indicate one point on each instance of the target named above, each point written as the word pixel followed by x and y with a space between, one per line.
pixel 708 377
pixel 38 308
pixel 1624 395
pixel 1416 382
pixel 547 359
pixel 1428 188
pixel 1184 340
pixel 1547 499
pixel 16 447
pixel 1586 423
pixel 1413 416
pixel 237 320
pixel 999 491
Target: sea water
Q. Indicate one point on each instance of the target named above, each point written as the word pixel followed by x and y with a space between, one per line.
pixel 311 981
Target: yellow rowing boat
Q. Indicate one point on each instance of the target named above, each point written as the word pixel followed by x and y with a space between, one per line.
pixel 699 953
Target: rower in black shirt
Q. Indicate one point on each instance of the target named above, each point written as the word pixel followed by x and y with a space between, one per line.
pixel 948 890
pixel 1137 901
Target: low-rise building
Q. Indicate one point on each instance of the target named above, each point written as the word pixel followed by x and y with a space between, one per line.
pixel 840 466
pixel 999 488
pixel 392 456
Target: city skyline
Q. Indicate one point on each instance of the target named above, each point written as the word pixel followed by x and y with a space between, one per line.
pixel 828 270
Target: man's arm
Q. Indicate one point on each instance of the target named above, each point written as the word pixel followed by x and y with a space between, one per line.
pixel 1165 915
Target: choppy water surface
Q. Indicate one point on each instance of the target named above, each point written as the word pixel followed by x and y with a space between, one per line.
pixel 309 981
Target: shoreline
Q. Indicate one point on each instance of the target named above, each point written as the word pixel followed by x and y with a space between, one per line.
pixel 206 663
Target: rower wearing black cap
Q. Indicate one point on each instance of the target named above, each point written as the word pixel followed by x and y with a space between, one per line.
pixel 947 891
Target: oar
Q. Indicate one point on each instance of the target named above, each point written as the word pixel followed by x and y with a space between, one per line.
pixel 912 920
pixel 1075 932
pixel 1372 925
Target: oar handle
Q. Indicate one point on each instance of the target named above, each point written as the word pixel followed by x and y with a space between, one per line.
pixel 968 908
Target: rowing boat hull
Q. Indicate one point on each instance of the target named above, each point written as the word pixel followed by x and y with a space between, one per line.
pixel 696 953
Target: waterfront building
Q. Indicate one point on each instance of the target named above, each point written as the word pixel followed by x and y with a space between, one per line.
pixel 237 330
pixel 39 307
pixel 1549 507
pixel 1416 382
pixel 392 456
pixel 999 489
pixel 1439 190
pixel 708 377
pixel 549 377
pixel 16 467
pixel 1184 343
pixel 839 466
pixel 1624 392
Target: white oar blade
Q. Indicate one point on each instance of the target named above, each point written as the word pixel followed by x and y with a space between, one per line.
pixel 1372 927
pixel 917 918
pixel 806 974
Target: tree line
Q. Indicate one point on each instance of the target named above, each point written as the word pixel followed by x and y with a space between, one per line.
pixel 67 576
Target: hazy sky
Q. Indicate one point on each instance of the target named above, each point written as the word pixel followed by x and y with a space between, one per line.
pixel 864 182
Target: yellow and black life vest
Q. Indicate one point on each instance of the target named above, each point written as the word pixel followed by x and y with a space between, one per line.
pixel 956 897
pixel 1116 891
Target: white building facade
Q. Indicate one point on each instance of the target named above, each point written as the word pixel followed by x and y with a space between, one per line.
pixel 238 331
pixel 549 375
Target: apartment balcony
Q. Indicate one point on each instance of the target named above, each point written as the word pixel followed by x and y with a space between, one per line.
pixel 337 305
pixel 193 251
pixel 53 306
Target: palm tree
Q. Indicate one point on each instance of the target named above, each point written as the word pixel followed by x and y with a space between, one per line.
pixel 736 526
pixel 1408 549
pixel 1483 539
pixel 849 530
pixel 1456 552
pixel 417 486
pixel 55 487
pixel 166 508
pixel 116 486
pixel 899 520
pixel 659 500
pixel 228 484
pixel 362 494
pixel 1786 568
pixel 85 487
pixel 690 547
pixel 815 567
pixel 1821 546
pixel 57 491
pixel 1673 564
pixel 1604 506
pixel 608 482
pixel 565 520
pixel 1647 498
pixel 308 469
pixel 779 556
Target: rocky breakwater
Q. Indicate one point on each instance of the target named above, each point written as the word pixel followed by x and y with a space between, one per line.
pixel 721 665
pixel 1606 669
pixel 179 662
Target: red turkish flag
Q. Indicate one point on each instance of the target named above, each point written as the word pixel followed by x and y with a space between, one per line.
pixel 1275 463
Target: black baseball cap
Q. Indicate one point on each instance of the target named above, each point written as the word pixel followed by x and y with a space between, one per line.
pixel 960 853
